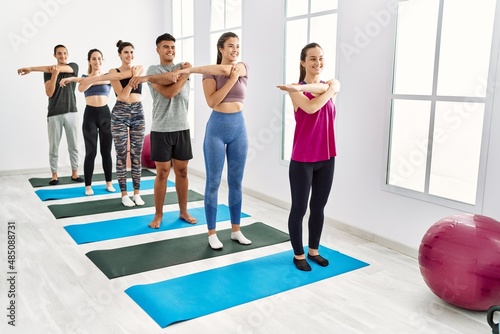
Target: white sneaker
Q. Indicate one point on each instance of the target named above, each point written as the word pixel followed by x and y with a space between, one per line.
pixel 110 189
pixel 138 200
pixel 89 192
pixel 238 236
pixel 214 242
pixel 127 201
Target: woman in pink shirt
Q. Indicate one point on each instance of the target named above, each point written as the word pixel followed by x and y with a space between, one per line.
pixel 313 153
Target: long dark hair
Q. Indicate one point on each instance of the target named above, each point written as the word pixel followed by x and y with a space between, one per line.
pixel 90 55
pixel 221 41
pixel 303 55
pixel 121 45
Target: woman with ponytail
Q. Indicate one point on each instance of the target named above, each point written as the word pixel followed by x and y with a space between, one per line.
pixel 224 85
pixel 313 153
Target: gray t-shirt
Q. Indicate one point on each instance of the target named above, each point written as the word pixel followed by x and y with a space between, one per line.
pixel 169 115
pixel 63 100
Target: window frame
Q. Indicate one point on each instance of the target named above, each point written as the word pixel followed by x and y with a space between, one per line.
pixel 434 98
pixel 283 159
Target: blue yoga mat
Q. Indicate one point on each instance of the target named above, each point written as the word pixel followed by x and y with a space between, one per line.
pixel 210 291
pixel 75 192
pixel 126 227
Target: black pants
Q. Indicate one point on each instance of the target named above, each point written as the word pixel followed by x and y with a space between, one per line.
pixel 97 123
pixel 306 178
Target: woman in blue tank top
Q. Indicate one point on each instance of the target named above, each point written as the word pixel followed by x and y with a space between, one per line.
pixel 96 121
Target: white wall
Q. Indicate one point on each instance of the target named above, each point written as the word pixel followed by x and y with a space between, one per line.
pixel 358 200
pixel 30 30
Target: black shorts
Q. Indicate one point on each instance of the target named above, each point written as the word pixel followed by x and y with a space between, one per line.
pixel 166 146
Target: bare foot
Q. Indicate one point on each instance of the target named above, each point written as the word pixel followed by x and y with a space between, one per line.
pixel 188 218
pixel 155 223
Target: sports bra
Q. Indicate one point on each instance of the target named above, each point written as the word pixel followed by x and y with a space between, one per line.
pixel 124 83
pixel 103 89
pixel 237 92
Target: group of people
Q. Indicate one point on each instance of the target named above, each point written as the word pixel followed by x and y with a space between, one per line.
pixel 224 85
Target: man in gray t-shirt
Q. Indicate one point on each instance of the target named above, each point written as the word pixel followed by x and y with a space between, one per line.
pixel 170 137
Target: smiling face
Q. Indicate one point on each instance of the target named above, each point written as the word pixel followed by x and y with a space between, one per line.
pixel 61 55
pixel 166 51
pixel 231 50
pixel 127 55
pixel 95 61
pixel 313 63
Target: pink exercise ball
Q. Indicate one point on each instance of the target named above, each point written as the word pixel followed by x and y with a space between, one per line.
pixel 459 258
pixel 146 153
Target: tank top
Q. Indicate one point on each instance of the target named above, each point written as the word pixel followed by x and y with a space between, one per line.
pixel 314 136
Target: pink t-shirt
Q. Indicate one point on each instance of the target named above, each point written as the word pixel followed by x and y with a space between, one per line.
pixel 314 137
pixel 237 92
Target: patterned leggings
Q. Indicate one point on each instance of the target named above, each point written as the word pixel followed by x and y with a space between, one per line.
pixel 128 119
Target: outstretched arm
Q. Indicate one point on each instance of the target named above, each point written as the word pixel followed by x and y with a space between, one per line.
pixel 225 70
pixel 45 69
pixel 311 106
pixel 168 84
pixel 315 88
pixel 215 96
pixel 113 75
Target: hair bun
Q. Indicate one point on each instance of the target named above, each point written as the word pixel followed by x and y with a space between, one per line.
pixel 120 42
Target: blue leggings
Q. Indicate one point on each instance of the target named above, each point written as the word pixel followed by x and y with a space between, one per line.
pixel 225 135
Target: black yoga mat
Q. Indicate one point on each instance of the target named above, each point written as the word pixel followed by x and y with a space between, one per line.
pixel 160 254
pixel 64 180
pixel 113 204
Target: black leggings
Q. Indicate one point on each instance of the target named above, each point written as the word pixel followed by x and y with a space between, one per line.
pixel 315 178
pixel 97 122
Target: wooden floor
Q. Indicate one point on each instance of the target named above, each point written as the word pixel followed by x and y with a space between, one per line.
pixel 60 291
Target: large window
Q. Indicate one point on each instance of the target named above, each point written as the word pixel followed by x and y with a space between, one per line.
pixel 183 31
pixel 441 94
pixel 226 16
pixel 306 21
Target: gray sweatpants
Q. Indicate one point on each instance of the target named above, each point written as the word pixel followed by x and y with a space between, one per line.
pixel 55 126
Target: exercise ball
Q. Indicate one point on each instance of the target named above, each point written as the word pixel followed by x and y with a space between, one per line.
pixel 459 259
pixel 146 153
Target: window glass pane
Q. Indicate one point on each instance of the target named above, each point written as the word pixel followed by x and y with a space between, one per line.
pixel 321 28
pixel 187 51
pixel 296 7
pixel 233 13
pixel 296 39
pixel 217 16
pixel 409 141
pixel 322 5
pixel 289 128
pixel 465 47
pixel 415 47
pixel 176 19
pixel 213 47
pixel 187 18
pixel 456 149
